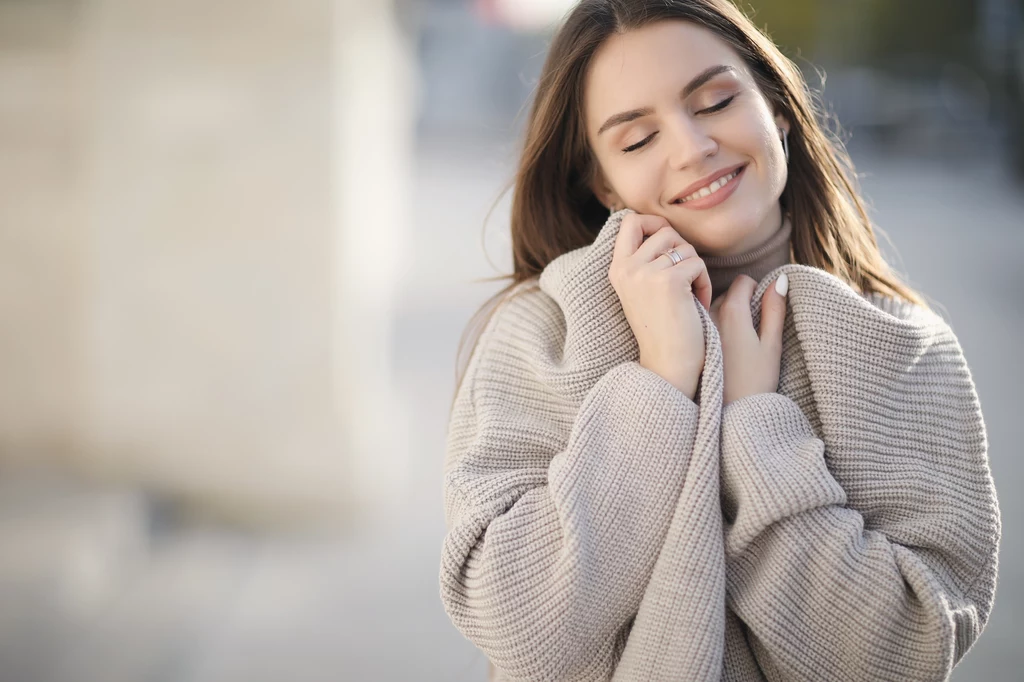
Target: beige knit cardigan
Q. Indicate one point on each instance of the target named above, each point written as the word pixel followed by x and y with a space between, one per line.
pixel 601 525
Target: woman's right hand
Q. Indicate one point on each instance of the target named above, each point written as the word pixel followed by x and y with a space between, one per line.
pixel 659 298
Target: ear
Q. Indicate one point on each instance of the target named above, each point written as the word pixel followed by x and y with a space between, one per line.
pixel 605 194
pixel 782 122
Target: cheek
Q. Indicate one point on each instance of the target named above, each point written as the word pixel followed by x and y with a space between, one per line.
pixel 763 139
pixel 638 183
pixel 778 170
pixel 765 146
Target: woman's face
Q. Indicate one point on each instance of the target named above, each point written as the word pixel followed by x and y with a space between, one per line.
pixel 672 113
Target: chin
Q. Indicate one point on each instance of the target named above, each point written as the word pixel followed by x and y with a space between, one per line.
pixel 718 238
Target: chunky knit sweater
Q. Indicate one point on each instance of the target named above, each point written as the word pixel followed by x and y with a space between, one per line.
pixel 601 525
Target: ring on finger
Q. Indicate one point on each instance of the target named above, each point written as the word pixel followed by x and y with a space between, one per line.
pixel 673 256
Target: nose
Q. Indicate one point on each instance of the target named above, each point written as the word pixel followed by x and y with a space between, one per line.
pixel 691 142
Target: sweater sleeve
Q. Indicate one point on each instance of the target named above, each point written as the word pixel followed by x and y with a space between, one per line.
pixel 898 589
pixel 554 526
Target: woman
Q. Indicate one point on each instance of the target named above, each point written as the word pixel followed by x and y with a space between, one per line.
pixel 709 436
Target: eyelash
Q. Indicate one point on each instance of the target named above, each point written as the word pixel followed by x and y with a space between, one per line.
pixel 710 110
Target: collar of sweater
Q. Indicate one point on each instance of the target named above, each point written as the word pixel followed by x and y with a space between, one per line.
pixel 756 262
pixel 597 336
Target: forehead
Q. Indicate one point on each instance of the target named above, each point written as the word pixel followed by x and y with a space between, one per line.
pixel 630 70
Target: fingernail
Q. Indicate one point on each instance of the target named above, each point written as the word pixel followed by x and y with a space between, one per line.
pixel 782 284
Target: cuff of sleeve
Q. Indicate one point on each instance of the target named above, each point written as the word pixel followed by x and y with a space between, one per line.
pixel 773 466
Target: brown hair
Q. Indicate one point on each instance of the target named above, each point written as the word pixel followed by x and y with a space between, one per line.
pixel 554 210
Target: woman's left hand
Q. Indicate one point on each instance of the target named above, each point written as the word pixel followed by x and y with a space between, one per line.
pixel 751 359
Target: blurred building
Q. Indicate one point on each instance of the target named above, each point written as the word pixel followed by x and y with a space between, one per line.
pixel 202 219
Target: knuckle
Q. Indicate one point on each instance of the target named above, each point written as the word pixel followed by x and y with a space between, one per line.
pixel 746 283
pixel 683 276
pixel 628 227
pixel 674 234
pixel 680 240
pixel 664 280
pixel 731 306
pixel 682 248
pixel 677 271
pixel 618 273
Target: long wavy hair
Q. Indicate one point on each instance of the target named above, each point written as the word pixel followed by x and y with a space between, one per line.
pixel 554 210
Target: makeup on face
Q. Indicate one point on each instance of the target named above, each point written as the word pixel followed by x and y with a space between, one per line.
pixel 711 190
pixel 679 130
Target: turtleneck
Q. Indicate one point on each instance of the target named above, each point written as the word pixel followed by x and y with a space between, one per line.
pixel 756 262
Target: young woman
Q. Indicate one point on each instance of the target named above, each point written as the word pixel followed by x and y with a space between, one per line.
pixel 711 435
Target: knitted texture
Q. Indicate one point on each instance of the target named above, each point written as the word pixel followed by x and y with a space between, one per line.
pixel 601 525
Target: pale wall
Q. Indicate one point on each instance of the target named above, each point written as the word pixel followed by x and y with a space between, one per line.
pixel 180 299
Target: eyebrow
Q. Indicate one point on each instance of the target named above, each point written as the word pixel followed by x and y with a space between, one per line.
pixel 701 78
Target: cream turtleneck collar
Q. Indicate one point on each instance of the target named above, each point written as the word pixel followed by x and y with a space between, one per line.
pixel 756 262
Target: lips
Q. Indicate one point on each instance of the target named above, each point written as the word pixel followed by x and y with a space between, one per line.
pixel 694 191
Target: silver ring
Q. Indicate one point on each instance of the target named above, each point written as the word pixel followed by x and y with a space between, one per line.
pixel 673 256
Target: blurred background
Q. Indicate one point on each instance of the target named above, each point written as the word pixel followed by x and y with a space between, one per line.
pixel 239 242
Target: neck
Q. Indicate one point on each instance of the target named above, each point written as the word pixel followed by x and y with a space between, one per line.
pixel 755 262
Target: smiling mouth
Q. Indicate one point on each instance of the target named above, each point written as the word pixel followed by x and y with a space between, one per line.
pixel 713 187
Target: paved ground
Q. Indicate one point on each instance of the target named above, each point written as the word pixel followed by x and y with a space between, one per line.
pixel 99 586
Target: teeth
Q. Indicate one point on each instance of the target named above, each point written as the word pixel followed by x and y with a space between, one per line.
pixel 710 189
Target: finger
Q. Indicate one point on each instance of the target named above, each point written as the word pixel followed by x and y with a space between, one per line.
pixel 702 285
pixel 773 310
pixel 713 310
pixel 661 241
pixel 634 228
pixel 737 299
pixel 693 272
pixel 664 239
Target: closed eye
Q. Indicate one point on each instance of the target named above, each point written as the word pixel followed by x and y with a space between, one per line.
pixel 710 110
pixel 718 107
pixel 641 143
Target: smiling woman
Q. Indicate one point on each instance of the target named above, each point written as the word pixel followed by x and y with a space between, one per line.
pixel 697 438
pixel 705 120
